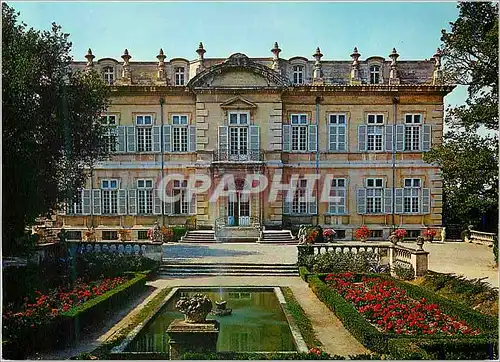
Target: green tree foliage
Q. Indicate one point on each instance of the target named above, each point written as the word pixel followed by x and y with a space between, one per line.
pixel 468 159
pixel 51 123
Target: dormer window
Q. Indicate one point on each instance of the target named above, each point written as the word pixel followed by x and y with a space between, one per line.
pixel 374 74
pixel 179 75
pixel 298 74
pixel 109 75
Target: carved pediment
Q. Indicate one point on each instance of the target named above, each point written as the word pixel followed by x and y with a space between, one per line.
pixel 238 102
pixel 238 71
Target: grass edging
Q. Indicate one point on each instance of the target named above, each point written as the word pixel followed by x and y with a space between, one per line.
pixel 398 346
pixel 303 322
pixel 104 350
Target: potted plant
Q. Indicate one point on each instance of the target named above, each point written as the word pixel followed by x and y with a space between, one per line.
pixel 429 234
pixel 328 234
pixel 167 234
pixel 362 233
pixel 400 234
pixel 124 235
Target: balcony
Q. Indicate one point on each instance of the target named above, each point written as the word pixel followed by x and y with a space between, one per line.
pixel 236 157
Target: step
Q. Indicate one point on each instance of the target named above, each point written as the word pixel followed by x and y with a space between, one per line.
pixel 242 274
pixel 227 266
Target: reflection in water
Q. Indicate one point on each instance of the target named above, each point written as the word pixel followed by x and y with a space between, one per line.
pixel 256 324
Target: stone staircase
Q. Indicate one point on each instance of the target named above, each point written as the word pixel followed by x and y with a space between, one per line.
pixel 168 269
pixel 277 237
pixel 199 236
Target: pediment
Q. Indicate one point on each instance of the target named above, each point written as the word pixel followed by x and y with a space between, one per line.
pixel 238 102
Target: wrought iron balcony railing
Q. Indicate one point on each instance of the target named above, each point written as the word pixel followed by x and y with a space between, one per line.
pixel 238 155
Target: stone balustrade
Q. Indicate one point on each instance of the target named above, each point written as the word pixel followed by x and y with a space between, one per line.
pixel 147 249
pixel 480 237
pixel 397 254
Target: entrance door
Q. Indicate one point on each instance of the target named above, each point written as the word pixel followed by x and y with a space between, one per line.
pixel 238 209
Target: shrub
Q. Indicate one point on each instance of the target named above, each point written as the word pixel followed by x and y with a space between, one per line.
pixel 314 235
pixel 404 272
pixel 333 262
pixel 495 251
pixel 179 232
pixel 362 233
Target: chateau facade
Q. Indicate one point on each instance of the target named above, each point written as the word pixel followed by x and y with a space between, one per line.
pixel 360 127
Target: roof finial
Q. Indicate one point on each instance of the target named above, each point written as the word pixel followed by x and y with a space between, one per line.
pixel 201 51
pixel 276 57
pixel 90 58
pixel 355 66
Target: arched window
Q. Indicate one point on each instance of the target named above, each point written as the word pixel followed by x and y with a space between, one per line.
pixel 109 75
pixel 374 74
pixel 298 74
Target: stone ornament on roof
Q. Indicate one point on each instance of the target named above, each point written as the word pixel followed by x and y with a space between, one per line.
pixel 355 67
pixel 276 57
pixel 161 64
pixel 126 67
pixel 393 74
pixel 437 77
pixel 317 73
pixel 90 59
pixel 201 57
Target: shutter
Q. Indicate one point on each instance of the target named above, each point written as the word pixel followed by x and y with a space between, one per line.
pixel 287 138
pixel 223 140
pixel 388 201
pixel 342 207
pixel 132 202
pixel 426 201
pixel 341 138
pixel 122 202
pixel 287 206
pixel 388 137
pixel 361 200
pixel 223 212
pixel 313 206
pixel 167 137
pixel 426 137
pixel 86 201
pixel 120 146
pixel 254 140
pixel 168 207
pixel 313 138
pixel 332 138
pixel 156 138
pixel 131 139
pixel 362 138
pixel 156 202
pixel 398 200
pixel 192 138
pixel 400 137
pixel 96 201
pixel 192 205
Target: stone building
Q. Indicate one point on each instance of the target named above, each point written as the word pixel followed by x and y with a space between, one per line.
pixel 361 126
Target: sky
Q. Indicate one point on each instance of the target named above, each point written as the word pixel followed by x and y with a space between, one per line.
pixel 413 28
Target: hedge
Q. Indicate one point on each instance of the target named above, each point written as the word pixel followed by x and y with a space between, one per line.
pixel 75 319
pixel 404 347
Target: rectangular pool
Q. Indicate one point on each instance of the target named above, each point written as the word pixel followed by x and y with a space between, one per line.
pixel 257 323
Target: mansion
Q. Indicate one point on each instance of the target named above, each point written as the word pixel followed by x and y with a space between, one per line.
pixel 360 124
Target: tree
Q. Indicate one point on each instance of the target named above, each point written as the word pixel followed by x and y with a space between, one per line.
pixel 51 123
pixel 469 160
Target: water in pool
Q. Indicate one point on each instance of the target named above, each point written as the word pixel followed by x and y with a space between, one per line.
pixel 256 324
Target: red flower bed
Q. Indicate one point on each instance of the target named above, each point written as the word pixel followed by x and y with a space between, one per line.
pixel 46 307
pixel 389 309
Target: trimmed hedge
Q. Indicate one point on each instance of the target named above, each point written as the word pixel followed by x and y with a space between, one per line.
pixel 404 347
pixel 77 318
pixel 304 273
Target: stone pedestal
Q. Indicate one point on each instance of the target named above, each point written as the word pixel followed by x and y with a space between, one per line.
pixel 192 337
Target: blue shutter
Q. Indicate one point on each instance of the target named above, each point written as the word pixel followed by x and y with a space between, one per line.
pixel 254 142
pixel 426 201
pixel 157 201
pixel 362 138
pixel 388 201
pixel 122 202
pixel 167 138
pixel 398 200
pixel 223 141
pixel 361 200
pixel 287 138
pixel 192 138
pixel 156 138
pixel 96 201
pixel 313 138
pixel 131 139
pixel 132 202
pixel 120 146
pixel 400 137
pixel 388 137
pixel 341 138
pixel 86 201
pixel 426 137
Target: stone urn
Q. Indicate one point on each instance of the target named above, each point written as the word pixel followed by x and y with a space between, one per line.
pixel 195 308
pixel 394 239
pixel 420 243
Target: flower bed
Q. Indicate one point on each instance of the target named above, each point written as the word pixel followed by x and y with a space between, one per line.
pixel 389 308
pixel 56 317
pixel 424 346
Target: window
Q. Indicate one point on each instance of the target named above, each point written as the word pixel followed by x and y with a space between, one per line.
pixel 337 132
pixel 109 121
pixel 109 197
pixel 180 133
pixel 110 235
pixel 75 205
pixel 375 132
pixel 377 233
pixel 299 132
pixel 179 75
pixel 337 202
pixel 298 74
pixel 413 124
pixel 181 206
pixel 109 75
pixel 73 235
pixel 142 235
pixel 144 132
pixel 145 196
pixel 238 134
pixel 299 203
pixel 374 74
pixel 374 192
pixel 411 194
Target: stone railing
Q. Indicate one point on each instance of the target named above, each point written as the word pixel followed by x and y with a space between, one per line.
pixel 480 237
pixel 397 254
pixel 147 249
pixel 48 252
